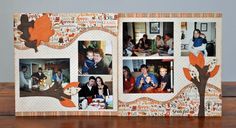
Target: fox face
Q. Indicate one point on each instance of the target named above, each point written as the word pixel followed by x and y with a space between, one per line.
pixel 72 91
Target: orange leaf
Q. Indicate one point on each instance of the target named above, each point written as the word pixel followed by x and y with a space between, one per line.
pixel 187 74
pixel 72 84
pixel 192 59
pixel 214 71
pixel 200 60
pixel 42 30
pixel 67 103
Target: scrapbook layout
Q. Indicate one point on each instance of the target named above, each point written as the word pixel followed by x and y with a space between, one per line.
pixel 118 64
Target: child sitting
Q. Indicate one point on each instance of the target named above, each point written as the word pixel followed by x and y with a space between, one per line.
pixel 165 80
pixel 89 61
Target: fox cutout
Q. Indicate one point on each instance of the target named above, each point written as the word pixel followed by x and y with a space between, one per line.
pixel 70 90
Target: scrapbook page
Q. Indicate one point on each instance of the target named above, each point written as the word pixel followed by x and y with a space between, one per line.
pixel 64 63
pixel 170 64
pixel 118 64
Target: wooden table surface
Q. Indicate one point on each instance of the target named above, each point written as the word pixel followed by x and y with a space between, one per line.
pixel 8 120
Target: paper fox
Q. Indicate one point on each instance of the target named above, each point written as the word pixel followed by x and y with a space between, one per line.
pixel 70 90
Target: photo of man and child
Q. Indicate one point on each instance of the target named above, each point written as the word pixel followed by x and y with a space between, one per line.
pixel 198 37
pixel 95 57
pixel 41 74
pixel 148 39
pixel 148 76
pixel 95 93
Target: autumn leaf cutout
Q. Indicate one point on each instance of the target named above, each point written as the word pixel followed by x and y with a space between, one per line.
pixel 199 62
pixel 67 103
pixel 42 30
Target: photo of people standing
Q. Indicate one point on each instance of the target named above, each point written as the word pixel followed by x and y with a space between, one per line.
pixel 95 57
pixel 41 74
pixel 148 39
pixel 148 76
pixel 198 37
pixel 96 92
pixel 24 83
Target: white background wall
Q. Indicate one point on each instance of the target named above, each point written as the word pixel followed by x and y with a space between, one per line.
pixel 188 33
pixel 8 7
pixel 210 33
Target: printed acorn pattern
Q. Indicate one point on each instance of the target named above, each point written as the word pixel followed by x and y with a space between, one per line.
pixel 200 76
pixel 35 32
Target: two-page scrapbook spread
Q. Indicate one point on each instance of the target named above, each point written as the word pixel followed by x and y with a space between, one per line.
pixel 118 64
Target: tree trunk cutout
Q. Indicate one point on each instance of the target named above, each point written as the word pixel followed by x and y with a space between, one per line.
pixel 56 91
pixel 200 76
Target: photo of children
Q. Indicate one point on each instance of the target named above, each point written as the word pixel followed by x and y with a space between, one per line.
pixel 39 75
pixel 148 76
pixel 148 39
pixel 198 37
pixel 95 57
pixel 96 93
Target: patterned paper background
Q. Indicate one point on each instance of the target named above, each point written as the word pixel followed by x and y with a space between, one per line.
pixel 68 27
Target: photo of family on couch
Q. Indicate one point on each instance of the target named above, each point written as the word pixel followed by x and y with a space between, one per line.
pixel 95 57
pixel 148 76
pixel 148 39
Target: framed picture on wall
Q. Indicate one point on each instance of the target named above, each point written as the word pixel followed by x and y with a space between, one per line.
pixel 203 27
pixel 154 27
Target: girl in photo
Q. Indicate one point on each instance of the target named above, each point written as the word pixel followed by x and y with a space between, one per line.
pixel 128 80
pixel 102 88
pixel 159 41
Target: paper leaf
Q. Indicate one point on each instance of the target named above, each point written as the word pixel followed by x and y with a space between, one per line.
pixel 192 59
pixel 200 60
pixel 187 74
pixel 214 71
pixel 42 30
pixel 67 103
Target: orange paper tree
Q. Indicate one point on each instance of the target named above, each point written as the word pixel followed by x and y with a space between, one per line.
pixel 200 80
